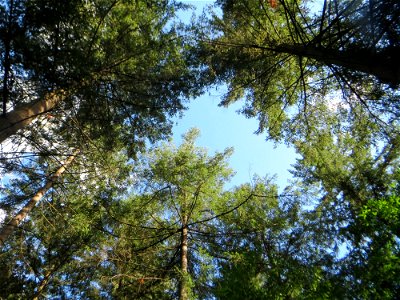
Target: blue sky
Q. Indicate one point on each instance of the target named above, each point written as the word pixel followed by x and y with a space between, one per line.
pixel 223 127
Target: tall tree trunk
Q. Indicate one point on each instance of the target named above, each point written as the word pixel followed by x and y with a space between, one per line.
pixel 384 66
pixel 9 228
pixel 183 289
pixel 22 116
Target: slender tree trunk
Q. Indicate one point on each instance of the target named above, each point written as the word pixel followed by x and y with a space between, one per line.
pixel 183 290
pixel 9 228
pixel 42 285
pixel 24 115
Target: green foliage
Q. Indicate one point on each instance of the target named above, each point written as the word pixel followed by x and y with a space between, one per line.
pixel 382 213
pixel 353 175
pixel 379 219
pixel 270 250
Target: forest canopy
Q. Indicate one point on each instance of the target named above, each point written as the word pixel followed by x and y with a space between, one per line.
pixel 98 202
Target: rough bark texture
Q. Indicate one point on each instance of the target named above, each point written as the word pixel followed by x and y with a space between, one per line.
pixel 9 228
pixel 24 115
pixel 183 290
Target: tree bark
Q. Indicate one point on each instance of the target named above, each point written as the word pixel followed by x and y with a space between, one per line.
pixel 384 66
pixel 24 115
pixel 9 228
pixel 183 290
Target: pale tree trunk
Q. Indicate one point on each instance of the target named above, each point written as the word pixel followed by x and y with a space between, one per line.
pixel 9 228
pixel 24 115
pixel 183 289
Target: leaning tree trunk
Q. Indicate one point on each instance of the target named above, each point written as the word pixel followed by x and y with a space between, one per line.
pixel 9 228
pixel 183 289
pixel 22 116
